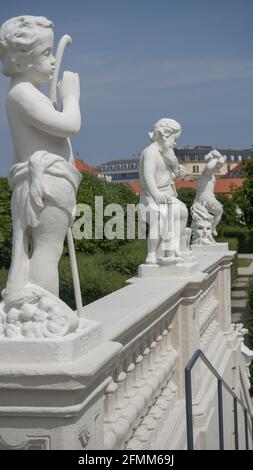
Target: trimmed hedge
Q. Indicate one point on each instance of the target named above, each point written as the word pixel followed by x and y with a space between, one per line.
pixel 250 328
pixel 244 236
pixel 233 246
pixel 127 260
pixel 95 281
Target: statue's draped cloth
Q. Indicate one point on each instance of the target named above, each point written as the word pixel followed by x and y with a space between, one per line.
pixel 169 225
pixel 45 179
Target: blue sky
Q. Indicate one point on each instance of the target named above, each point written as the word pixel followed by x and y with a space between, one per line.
pixel 140 60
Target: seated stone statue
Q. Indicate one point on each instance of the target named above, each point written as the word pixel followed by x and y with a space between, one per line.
pixel 159 205
pixel 43 178
pixel 205 191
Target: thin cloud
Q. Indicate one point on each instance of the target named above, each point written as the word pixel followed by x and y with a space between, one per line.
pixel 177 72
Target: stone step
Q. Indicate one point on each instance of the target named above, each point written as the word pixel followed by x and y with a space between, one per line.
pixel 239 294
pixel 236 318
pixel 240 287
pixel 239 306
pixel 245 271
pixel 243 277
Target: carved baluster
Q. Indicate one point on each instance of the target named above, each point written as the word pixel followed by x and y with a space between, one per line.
pixel 109 409
pixel 129 392
pixel 139 398
pixel 119 398
pixel 146 375
pixel 152 380
pixel 110 416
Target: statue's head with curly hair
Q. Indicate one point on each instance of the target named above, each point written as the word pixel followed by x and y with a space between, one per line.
pixel 26 44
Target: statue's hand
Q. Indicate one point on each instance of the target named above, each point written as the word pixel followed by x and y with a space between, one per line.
pixel 69 86
pixel 169 199
pixel 159 198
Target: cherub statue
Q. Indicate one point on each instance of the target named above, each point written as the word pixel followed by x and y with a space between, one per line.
pixel 205 190
pixel 159 206
pixel 43 178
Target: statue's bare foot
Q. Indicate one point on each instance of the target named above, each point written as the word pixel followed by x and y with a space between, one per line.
pixel 151 258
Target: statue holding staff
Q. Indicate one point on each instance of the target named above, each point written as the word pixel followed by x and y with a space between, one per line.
pixel 43 178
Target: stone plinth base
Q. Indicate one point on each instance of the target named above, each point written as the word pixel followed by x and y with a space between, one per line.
pixel 180 270
pixel 217 247
pixel 52 391
pixel 46 350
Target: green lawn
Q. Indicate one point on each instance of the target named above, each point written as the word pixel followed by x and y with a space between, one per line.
pixel 100 273
pixel 243 262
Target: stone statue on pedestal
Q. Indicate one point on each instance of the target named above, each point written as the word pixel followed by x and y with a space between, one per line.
pixel 165 214
pixel 43 178
pixel 207 210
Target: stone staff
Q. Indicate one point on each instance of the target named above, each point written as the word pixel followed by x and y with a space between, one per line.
pixel 64 41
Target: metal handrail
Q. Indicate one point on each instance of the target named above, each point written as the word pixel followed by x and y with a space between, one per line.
pixel 220 383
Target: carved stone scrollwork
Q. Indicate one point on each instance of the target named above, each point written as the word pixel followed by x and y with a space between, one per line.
pixel 87 431
pixel 29 443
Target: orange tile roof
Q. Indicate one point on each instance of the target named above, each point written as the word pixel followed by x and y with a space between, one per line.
pixel 228 185
pixel 135 186
pixel 82 166
pixel 222 186
pixel 186 184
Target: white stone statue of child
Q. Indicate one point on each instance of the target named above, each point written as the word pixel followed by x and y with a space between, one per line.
pixel 43 178
pixel 159 205
pixel 205 190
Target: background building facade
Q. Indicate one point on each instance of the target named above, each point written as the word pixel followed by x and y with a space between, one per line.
pixel 193 158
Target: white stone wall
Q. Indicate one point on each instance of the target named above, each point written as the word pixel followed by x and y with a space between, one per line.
pixel 128 391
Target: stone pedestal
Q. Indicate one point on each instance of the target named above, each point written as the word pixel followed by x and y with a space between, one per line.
pixel 63 349
pixel 180 270
pixel 216 247
pixel 52 390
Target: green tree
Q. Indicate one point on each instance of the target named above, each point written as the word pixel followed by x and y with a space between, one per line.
pixel 187 196
pixel 229 216
pixel 244 196
pixel 5 223
pixel 113 193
